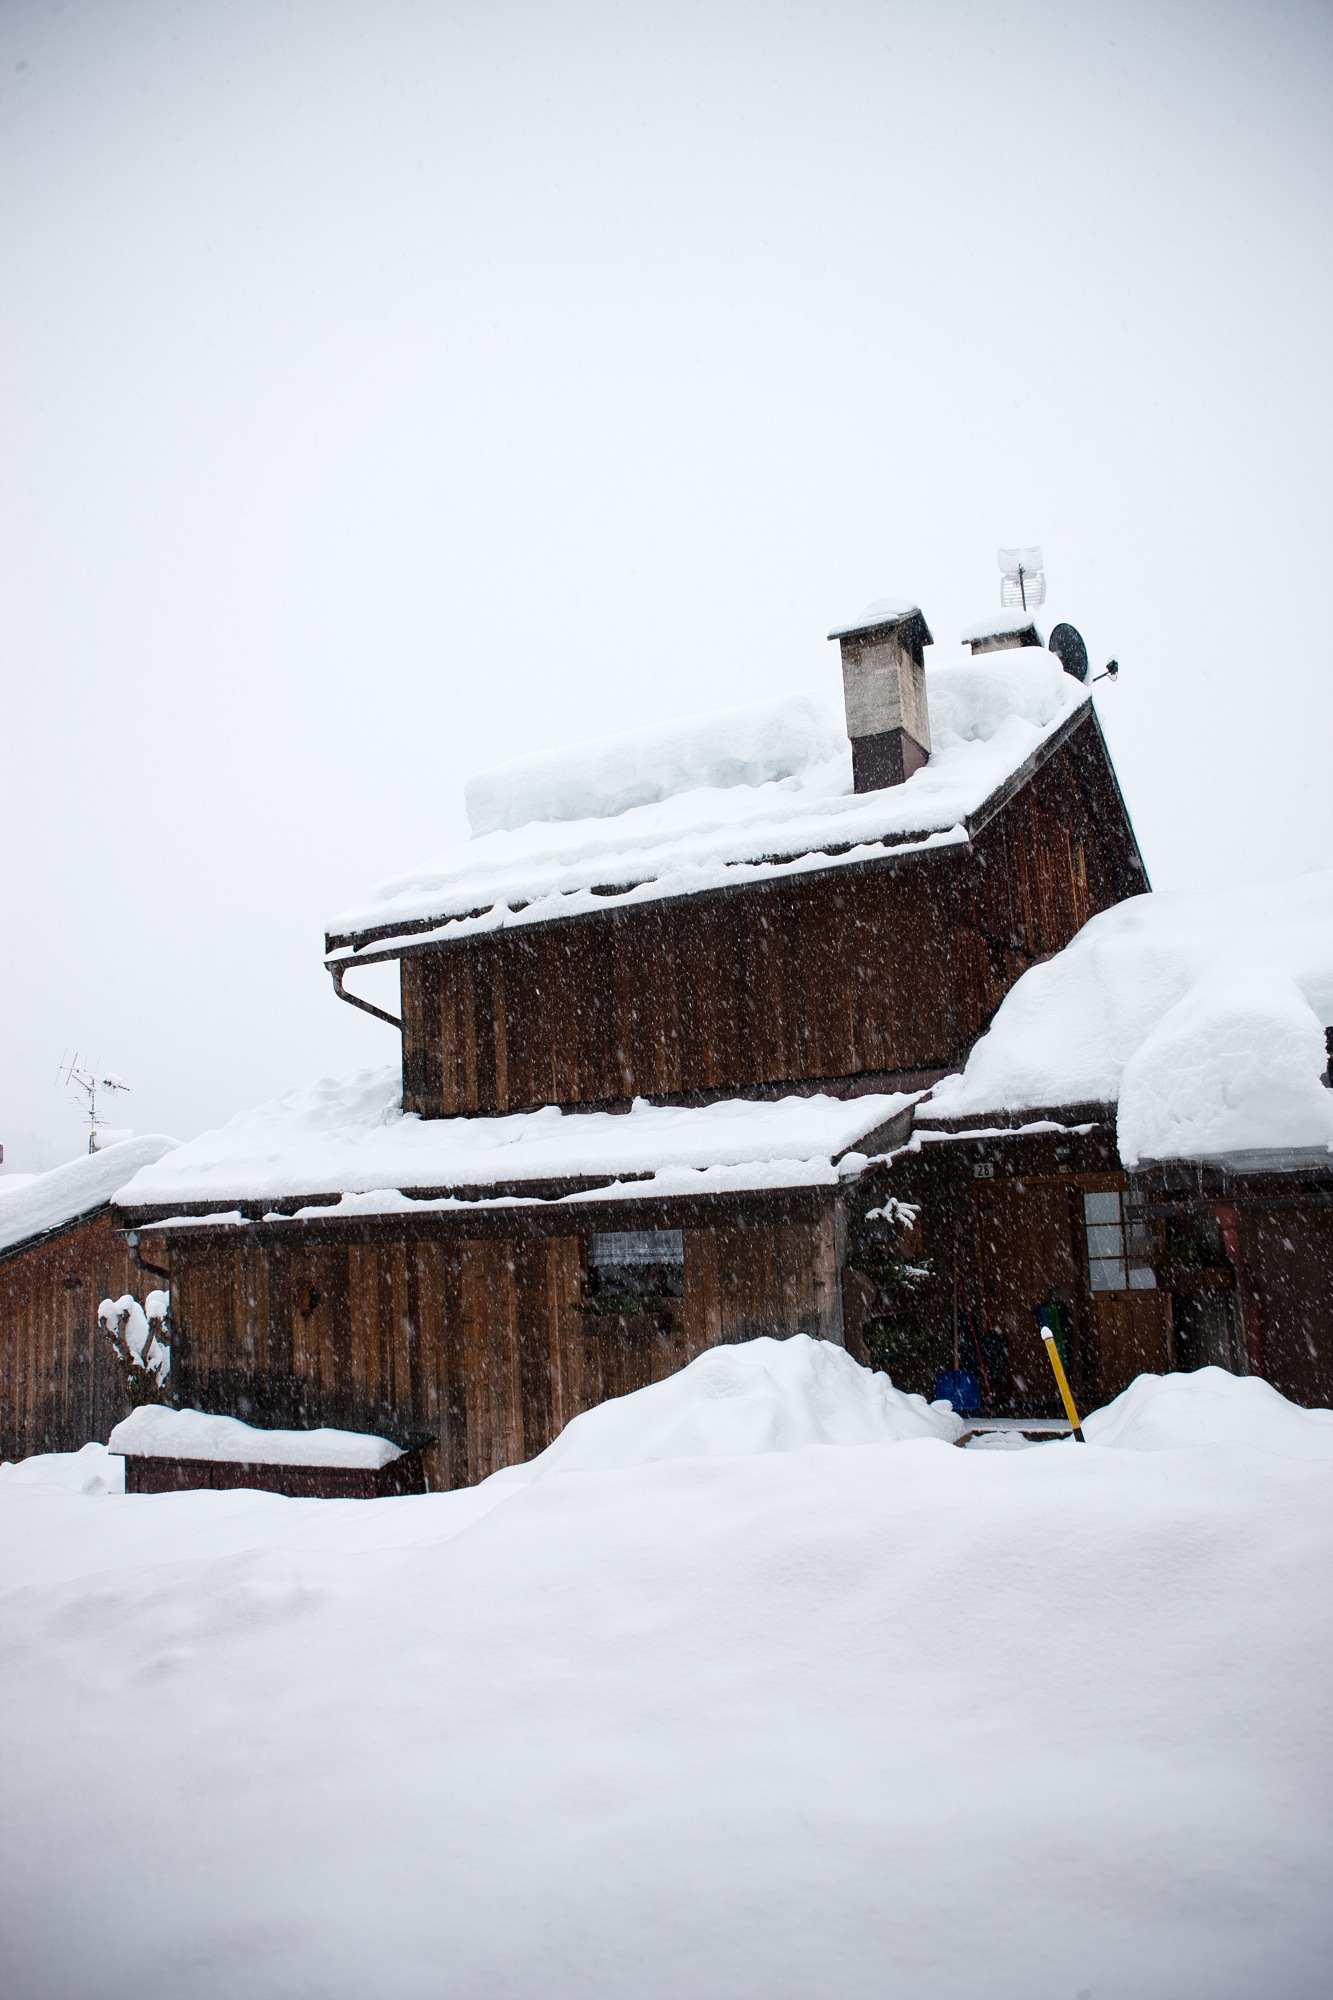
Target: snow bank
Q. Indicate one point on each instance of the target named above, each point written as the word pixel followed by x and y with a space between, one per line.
pixel 47 1201
pixel 754 745
pixel 91 1471
pixel 759 1395
pixel 153 1432
pixel 1200 1013
pixel 1210 1407
pixel 985 722
pixel 894 1720
pixel 350 1135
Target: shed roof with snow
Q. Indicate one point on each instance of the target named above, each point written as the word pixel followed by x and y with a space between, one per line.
pixel 51 1201
pixel 349 1142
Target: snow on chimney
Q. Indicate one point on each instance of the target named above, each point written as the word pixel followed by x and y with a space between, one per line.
pixel 884 689
pixel 1002 631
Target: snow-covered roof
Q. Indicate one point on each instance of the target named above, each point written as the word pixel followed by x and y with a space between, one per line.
pixel 1200 1014
pixel 48 1201
pixel 751 793
pixel 349 1138
pixel 152 1431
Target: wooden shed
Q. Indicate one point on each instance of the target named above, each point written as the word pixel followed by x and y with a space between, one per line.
pixel 62 1251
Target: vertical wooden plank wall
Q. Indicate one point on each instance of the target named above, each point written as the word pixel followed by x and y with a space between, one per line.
pixel 473 1342
pixel 59 1387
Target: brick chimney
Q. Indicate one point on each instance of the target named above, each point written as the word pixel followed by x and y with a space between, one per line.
pixel 884 689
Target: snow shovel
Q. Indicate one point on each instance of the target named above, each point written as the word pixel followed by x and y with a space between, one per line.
pixel 1048 1325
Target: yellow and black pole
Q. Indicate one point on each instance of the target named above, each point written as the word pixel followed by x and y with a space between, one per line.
pixel 1048 1322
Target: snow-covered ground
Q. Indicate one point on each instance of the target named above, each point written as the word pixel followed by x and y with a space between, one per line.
pixel 750 1687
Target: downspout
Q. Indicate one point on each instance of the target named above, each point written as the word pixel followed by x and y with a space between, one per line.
pixel 336 972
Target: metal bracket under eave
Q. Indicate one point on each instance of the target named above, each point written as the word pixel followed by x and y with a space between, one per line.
pixel 354 999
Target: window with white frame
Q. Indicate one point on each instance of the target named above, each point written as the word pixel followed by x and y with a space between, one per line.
pixel 1117 1248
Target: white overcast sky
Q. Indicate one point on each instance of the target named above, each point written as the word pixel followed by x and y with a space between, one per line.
pixel 387 388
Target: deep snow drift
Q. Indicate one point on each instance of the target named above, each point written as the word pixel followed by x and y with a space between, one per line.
pixel 705 1709
pixel 1201 1013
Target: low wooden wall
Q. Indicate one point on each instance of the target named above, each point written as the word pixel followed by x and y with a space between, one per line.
pixel 59 1385
pixel 408 1328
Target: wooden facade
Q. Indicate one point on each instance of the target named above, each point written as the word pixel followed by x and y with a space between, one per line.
pixel 1242 1263
pixel 466 1335
pixel 59 1383
pixel 853 975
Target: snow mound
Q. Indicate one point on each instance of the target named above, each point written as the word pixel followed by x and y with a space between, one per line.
pixel 1210 1406
pixel 972 701
pixel 761 1395
pixel 92 1470
pixel 1234 1066
pixel 1200 1013
pixel 754 745
pixel 154 1432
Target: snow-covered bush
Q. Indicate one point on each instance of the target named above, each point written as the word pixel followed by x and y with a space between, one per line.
pixel 141 1338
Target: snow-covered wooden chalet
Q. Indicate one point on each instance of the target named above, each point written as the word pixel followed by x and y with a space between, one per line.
pixel 658 1015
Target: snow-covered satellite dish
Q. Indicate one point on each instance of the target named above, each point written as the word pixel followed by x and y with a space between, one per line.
pixel 1022 582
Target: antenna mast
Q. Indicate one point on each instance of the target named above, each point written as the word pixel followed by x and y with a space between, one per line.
pixel 79 1075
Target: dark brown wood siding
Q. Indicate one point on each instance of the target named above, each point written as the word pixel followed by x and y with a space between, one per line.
pixel 59 1386
pixel 891 967
pixel 474 1341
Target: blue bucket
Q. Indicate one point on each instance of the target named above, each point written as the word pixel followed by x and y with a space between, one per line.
pixel 959 1387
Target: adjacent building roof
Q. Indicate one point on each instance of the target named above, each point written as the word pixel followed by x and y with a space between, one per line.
pixel 348 1141
pixel 726 800
pixel 43 1202
pixel 1200 1015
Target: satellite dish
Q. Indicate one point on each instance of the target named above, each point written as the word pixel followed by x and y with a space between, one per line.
pixel 1022 583
pixel 1070 651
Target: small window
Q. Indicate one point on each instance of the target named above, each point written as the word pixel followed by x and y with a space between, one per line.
pixel 1115 1249
pixel 634 1264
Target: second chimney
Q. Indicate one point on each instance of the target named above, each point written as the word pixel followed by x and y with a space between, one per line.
pixel 884 689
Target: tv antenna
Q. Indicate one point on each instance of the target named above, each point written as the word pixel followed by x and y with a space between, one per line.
pixel 79 1075
pixel 1022 579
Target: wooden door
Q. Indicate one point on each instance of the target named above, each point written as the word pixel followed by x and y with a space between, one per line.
pixel 1028 1250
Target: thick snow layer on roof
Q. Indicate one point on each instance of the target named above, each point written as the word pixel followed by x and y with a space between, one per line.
pixel 755 745
pixel 154 1432
pixel 998 623
pixel 987 717
pixel 349 1136
pixel 46 1201
pixel 821 1724
pixel 762 1395
pixel 1201 1014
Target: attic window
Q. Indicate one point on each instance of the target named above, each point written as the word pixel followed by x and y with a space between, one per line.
pixel 1116 1249
pixel 637 1263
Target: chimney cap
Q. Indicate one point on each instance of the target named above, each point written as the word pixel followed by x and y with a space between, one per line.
pixel 884 612
pixel 1018 628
